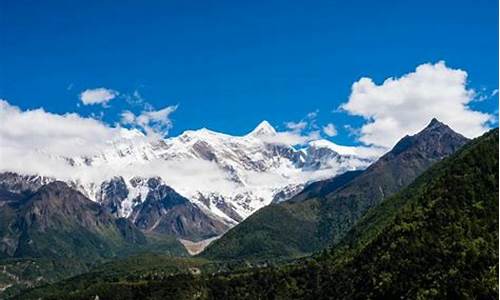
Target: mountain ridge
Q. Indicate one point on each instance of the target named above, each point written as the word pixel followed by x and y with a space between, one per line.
pixel 435 239
pixel 309 222
pixel 57 221
pixel 228 177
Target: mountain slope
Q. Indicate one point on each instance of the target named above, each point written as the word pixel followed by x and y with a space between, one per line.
pixel 165 211
pixel 325 187
pixel 45 229
pixel 228 177
pixel 436 239
pixel 58 222
pixel 323 213
pixel 161 211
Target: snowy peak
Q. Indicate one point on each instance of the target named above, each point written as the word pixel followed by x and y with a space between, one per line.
pixel 343 150
pixel 263 129
pixel 228 177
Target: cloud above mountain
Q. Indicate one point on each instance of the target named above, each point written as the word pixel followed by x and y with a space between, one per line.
pixel 37 130
pixel 33 141
pixel 88 151
pixel 39 142
pixel 296 133
pixel 290 138
pixel 151 121
pixel 98 96
pixel 404 105
pixel 330 130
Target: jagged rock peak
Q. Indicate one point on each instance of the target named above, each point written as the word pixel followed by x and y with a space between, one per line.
pixel 436 138
pixel 436 124
pixel 263 129
pixel 55 186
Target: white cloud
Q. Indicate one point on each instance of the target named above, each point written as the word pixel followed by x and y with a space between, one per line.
pixel 405 105
pixel 127 117
pixel 312 115
pixel 484 94
pixel 330 130
pixel 296 126
pixel 298 133
pixel 40 142
pixel 38 130
pixel 37 142
pixel 360 151
pixel 290 138
pixel 97 96
pixel 293 136
pixel 136 99
pixel 153 121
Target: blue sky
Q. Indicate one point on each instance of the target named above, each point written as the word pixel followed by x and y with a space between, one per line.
pixel 230 64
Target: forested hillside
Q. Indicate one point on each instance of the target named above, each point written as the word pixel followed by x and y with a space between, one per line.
pixel 325 211
pixel 436 239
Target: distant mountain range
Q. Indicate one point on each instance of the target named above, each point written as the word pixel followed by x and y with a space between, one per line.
pixel 227 177
pixel 435 239
pixel 321 213
pixel 57 221
pixel 324 211
pixel 44 220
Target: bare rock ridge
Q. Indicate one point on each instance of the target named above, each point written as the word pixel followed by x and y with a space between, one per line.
pixel 325 210
pixel 165 211
pixel 126 208
pixel 227 177
pixel 58 221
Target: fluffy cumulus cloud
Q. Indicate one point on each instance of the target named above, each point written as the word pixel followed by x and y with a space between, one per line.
pixel 39 142
pixel 151 121
pixel 98 96
pixel 38 130
pixel 405 105
pixel 330 130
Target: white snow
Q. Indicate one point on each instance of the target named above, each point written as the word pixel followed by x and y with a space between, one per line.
pixel 240 173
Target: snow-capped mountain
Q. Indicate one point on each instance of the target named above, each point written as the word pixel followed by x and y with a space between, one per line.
pixel 228 177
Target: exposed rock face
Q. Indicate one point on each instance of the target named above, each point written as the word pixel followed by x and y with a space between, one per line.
pixel 233 175
pixel 162 211
pixel 257 171
pixel 409 158
pixel 288 192
pixel 324 211
pixel 22 184
pixel 58 221
pixel 165 211
pixel 112 193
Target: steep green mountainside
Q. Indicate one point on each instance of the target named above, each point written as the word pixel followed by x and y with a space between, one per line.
pixel 43 233
pixel 326 210
pixel 59 222
pixel 436 239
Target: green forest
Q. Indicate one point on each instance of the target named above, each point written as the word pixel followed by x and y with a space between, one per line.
pixel 436 239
